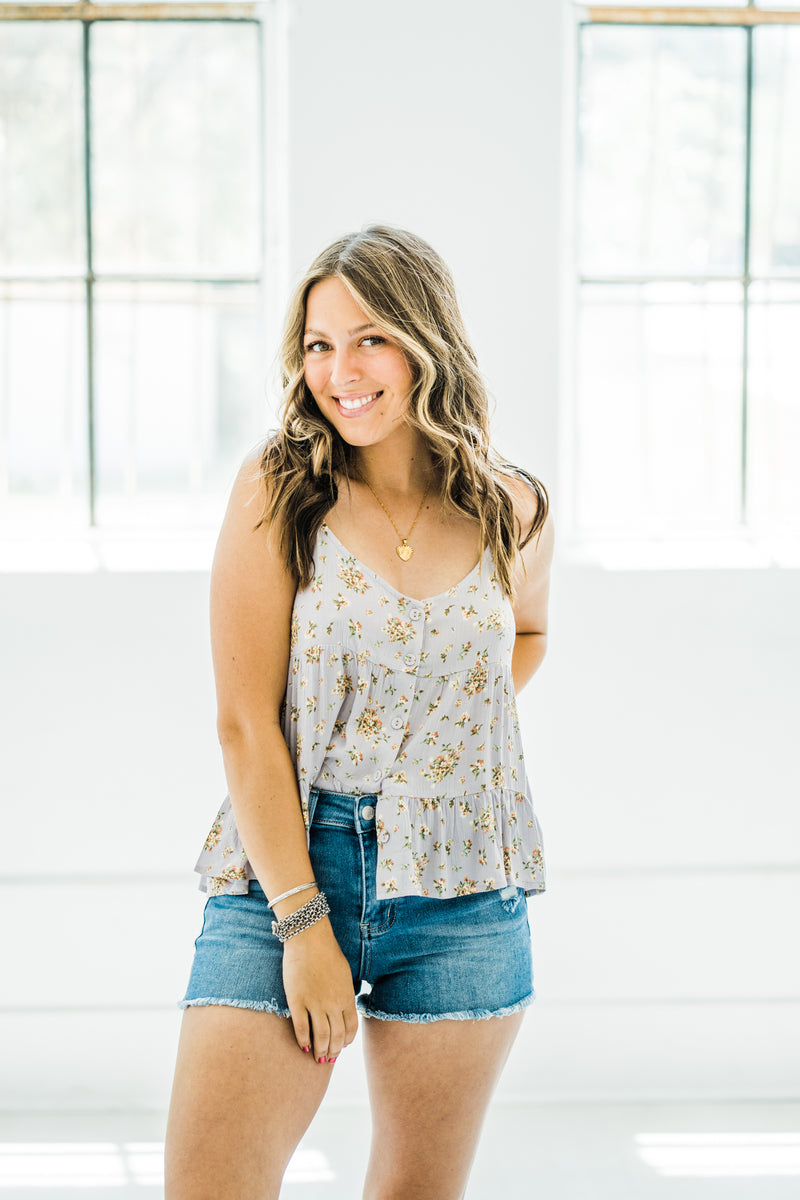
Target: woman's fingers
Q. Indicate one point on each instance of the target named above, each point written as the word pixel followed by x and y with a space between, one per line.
pixel 302 1029
pixel 338 1035
pixel 321 1037
pixel 350 1016
pixel 329 1033
pixel 343 1027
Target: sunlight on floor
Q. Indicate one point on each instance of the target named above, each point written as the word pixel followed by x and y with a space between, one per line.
pixel 116 1164
pixel 717 1154
pixel 80 1164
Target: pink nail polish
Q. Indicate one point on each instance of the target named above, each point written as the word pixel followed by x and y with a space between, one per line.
pixel 322 1059
pixel 331 1060
pixel 306 1049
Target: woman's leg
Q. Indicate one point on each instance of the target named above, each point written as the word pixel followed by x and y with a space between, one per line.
pixel 242 1098
pixel 430 1086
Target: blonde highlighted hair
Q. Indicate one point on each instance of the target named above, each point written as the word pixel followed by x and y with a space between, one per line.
pixel 406 290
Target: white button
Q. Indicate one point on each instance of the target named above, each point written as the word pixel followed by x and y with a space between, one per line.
pixel 384 837
pixel 410 659
pixel 368 812
pixel 378 775
pixel 397 722
pixel 415 614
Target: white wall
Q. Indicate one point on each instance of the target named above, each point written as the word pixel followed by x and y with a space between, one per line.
pixel 658 727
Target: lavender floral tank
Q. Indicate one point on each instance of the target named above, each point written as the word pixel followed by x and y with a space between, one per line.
pixel 411 700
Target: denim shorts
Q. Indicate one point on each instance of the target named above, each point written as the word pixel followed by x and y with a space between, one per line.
pixel 412 958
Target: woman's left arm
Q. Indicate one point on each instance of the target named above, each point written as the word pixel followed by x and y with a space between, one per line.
pixel 532 584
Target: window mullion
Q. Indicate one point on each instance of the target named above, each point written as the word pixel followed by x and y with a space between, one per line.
pixel 748 159
pixel 90 374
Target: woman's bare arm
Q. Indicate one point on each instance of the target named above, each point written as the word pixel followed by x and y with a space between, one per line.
pixel 532 581
pixel 252 594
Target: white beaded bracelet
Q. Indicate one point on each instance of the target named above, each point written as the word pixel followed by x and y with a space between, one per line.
pixel 293 892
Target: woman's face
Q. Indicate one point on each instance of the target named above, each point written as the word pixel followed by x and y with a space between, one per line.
pixel 358 376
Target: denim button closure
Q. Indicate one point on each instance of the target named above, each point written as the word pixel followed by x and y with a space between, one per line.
pixel 368 812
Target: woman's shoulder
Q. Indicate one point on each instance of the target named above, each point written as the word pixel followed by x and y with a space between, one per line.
pixel 256 472
pixel 247 532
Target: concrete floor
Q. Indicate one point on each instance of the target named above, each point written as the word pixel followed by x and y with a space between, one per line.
pixel 565 1151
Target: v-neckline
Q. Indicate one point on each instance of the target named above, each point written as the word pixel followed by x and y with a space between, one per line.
pixel 385 582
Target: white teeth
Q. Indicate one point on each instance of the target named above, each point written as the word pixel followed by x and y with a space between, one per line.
pixel 350 405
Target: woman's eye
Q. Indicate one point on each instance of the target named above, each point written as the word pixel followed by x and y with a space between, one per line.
pixel 313 346
pixel 374 337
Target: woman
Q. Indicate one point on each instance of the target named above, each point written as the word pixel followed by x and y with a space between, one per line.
pixel 377 556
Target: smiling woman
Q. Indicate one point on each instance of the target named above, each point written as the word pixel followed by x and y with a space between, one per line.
pixel 378 800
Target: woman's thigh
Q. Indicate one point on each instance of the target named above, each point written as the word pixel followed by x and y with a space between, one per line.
pixel 430 1085
pixel 242 1098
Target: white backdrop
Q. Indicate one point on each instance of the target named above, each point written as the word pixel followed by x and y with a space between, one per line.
pixel 657 729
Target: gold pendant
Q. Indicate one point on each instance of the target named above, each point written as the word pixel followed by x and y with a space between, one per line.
pixel 405 551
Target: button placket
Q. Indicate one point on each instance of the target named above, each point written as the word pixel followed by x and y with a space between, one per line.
pixel 410 659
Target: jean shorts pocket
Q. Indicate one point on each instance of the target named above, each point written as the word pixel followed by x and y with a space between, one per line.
pixel 511 897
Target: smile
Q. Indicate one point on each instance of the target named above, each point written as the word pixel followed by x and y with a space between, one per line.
pixel 357 404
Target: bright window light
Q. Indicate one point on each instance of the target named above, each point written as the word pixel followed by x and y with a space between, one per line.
pixel 309 1166
pixel 720 1154
pixel 117 1164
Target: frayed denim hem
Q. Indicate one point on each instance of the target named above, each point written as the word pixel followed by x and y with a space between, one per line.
pixel 475 1014
pixel 256 1005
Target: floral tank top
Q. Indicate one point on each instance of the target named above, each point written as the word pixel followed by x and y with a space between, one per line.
pixel 411 701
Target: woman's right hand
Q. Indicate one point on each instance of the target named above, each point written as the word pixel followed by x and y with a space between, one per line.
pixel 319 991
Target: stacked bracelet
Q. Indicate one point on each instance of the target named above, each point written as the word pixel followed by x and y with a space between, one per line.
pixel 312 911
pixel 292 892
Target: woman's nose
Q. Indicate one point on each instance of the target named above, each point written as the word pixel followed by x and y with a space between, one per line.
pixel 345 368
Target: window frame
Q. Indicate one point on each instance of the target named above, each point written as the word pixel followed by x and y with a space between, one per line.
pixel 95 547
pixel 744 547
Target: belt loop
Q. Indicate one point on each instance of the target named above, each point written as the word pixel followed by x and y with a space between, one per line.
pixel 313 796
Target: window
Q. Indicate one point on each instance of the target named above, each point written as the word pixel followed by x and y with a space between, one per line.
pixel 131 264
pixel 687 417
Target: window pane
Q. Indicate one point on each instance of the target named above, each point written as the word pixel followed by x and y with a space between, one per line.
pixel 659 409
pixel 774 409
pixel 42 222
pixel 180 397
pixel 776 159
pixel 176 159
pixel 662 136
pixel 43 422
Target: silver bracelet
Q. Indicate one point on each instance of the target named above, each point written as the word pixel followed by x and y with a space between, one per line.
pixel 303 918
pixel 292 892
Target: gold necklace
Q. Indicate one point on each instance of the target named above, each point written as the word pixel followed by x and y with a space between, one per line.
pixel 403 551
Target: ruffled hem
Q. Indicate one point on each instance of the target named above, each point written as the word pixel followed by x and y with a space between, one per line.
pixel 480 842
pixel 474 843
pixel 223 864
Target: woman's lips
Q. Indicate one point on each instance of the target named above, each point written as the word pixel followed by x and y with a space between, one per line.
pixel 355 406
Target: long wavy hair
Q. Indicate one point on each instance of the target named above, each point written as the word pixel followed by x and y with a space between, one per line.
pixel 406 290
